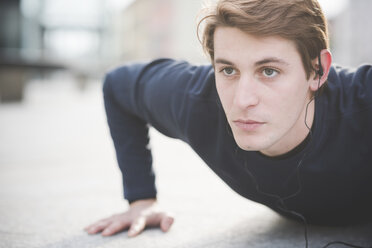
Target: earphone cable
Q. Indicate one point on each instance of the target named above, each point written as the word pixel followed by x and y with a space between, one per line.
pixel 280 200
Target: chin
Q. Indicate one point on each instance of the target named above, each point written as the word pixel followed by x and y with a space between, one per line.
pixel 249 146
pixel 252 141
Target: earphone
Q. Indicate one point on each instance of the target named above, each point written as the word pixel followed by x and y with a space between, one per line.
pixel 279 199
pixel 320 70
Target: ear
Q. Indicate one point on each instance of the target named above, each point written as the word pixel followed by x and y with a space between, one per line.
pixel 326 61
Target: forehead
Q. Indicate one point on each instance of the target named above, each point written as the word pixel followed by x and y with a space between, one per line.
pixel 234 45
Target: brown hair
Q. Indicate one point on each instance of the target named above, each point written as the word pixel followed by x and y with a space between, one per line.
pixel 301 21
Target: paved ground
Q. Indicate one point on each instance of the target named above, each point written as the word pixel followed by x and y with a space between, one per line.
pixel 58 174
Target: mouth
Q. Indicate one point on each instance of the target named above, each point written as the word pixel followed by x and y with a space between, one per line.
pixel 248 125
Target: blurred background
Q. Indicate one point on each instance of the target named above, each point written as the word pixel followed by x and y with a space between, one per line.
pixel 58 170
pixel 84 38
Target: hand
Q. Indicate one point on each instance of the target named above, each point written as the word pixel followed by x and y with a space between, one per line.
pixel 141 213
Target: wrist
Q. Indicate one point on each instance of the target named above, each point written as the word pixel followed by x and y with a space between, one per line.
pixel 145 200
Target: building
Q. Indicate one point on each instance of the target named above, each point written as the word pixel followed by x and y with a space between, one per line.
pixel 167 28
pixel 44 36
pixel 351 34
pixel 157 28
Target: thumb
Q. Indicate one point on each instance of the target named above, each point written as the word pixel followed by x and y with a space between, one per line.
pixel 137 226
pixel 166 222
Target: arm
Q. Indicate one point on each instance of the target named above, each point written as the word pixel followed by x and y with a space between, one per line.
pixel 139 95
pixel 130 135
pixel 136 96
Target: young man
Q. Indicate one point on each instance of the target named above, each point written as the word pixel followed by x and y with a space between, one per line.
pixel 263 117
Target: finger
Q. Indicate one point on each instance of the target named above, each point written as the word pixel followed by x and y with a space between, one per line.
pixel 166 222
pixel 99 222
pixel 137 226
pixel 97 227
pixel 114 227
pixel 87 228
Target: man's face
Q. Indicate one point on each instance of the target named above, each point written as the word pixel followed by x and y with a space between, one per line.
pixel 263 88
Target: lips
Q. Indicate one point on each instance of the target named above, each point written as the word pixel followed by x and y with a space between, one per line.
pixel 248 125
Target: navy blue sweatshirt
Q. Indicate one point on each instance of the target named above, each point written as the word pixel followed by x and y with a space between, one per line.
pixel 332 185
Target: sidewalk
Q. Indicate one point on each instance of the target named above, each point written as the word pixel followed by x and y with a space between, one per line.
pixel 58 174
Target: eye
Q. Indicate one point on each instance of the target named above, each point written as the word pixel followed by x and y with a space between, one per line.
pixel 269 72
pixel 228 71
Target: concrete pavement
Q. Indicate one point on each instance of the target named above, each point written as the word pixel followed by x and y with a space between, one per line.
pixel 58 174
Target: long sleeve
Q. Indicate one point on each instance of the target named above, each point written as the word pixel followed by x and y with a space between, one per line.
pixel 156 94
pixel 130 137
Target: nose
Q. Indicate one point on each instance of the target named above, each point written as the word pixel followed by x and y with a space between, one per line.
pixel 246 93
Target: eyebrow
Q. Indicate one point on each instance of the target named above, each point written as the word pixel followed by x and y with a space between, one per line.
pixel 223 61
pixel 270 60
pixel 258 63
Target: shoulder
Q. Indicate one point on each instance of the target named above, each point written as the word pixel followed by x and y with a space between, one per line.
pixel 349 88
pixel 354 79
pixel 170 95
pixel 164 74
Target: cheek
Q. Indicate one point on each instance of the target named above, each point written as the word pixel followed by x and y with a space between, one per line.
pixel 226 95
pixel 289 104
